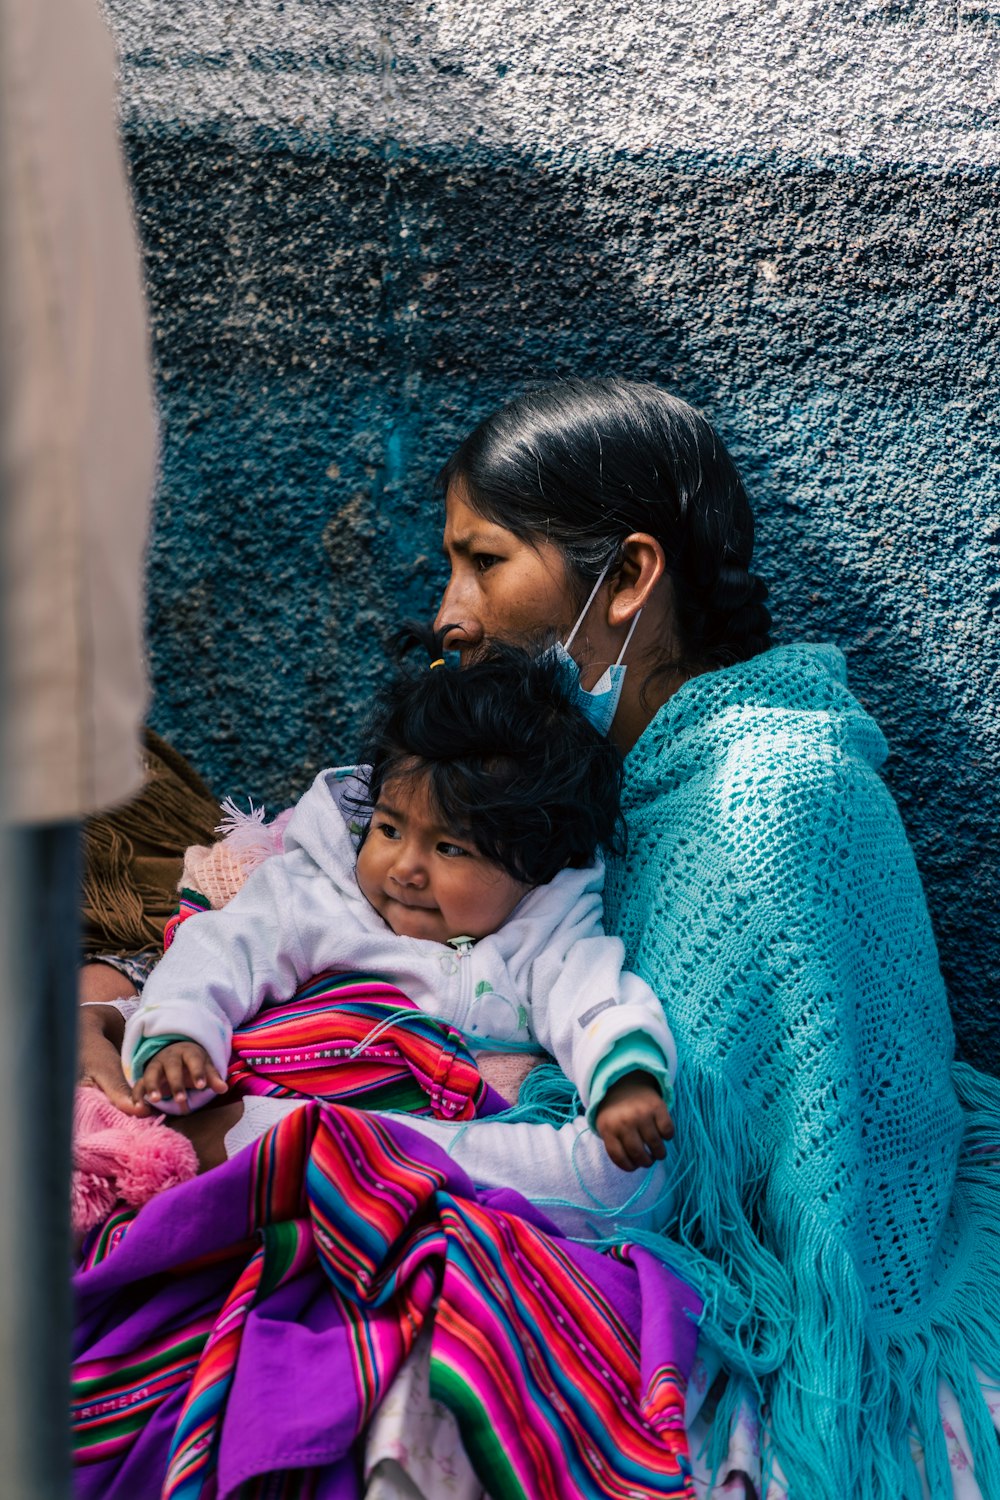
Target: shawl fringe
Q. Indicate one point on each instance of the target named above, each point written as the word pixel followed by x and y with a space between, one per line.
pixel 863 1400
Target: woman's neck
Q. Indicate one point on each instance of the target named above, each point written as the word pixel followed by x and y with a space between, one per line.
pixel 641 700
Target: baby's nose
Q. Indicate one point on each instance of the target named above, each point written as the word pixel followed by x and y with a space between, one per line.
pixel 407 869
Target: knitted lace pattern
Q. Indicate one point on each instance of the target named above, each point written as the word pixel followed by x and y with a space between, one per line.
pixel 838 1180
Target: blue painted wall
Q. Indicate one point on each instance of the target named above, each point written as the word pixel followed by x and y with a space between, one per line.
pixel 363 234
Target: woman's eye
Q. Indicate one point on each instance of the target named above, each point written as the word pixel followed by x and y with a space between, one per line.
pixel 452 851
pixel 484 561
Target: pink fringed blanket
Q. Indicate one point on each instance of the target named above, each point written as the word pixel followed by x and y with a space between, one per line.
pixel 120 1159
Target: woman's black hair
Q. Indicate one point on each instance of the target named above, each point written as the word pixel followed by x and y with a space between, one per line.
pixel 584 463
pixel 509 760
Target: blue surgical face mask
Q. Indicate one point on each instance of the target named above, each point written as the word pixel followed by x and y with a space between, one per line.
pixel 598 704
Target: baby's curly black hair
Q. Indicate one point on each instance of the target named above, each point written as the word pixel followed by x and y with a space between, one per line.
pixel 509 760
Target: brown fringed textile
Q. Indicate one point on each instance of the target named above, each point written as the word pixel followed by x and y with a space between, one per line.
pixel 133 855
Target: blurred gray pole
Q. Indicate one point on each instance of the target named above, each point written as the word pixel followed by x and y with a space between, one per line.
pixel 34 1104
pixel 38 958
pixel 14 1438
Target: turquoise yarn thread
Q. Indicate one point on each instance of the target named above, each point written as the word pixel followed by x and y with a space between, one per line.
pixel 546 1097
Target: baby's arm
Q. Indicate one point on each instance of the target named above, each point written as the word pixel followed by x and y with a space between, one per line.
pixel 607 1030
pixel 215 975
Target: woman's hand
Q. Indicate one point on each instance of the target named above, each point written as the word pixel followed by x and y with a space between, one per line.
pixel 99 1051
pixel 176 1068
pixel 633 1122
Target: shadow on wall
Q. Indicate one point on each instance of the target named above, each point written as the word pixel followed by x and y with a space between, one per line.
pixel 331 315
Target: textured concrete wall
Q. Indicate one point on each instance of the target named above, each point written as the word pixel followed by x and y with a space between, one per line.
pixel 366 226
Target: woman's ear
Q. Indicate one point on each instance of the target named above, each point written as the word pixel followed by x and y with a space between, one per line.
pixel 643 565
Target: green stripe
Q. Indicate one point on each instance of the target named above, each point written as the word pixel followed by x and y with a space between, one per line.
pixel 489 1457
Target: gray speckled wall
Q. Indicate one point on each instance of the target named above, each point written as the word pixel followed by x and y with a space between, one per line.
pixel 366 226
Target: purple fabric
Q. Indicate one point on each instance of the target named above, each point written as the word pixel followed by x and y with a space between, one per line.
pixel 293 1402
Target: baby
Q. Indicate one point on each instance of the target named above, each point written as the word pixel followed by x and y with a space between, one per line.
pixel 462 864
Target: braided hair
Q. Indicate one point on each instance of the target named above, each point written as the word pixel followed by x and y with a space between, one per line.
pixel 585 463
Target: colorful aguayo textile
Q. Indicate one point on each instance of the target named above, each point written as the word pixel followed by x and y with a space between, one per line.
pixel 189 904
pixel 357 1040
pixel 236 1335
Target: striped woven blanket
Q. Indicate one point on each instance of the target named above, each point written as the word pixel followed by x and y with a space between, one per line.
pixel 353 1039
pixel 235 1336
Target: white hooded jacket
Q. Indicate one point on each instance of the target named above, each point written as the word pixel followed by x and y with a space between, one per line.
pixel 550 979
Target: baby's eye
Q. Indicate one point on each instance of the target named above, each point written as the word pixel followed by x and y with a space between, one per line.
pixel 389 830
pixel 451 851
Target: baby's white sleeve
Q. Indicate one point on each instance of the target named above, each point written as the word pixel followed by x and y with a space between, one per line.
pixel 220 967
pixel 592 1004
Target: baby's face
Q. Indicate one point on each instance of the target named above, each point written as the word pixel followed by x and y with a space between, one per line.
pixel 427 881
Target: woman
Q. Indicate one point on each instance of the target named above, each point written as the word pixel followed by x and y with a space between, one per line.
pixel 831 1192
pixel 832 1199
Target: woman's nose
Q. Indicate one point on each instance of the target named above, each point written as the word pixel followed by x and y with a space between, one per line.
pixel 457 619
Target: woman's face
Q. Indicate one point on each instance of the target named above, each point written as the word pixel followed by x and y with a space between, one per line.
pixel 501 588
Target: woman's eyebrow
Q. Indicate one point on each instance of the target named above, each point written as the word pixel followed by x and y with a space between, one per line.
pixel 468 541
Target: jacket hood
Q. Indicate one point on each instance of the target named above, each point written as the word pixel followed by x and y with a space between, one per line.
pixel 321 825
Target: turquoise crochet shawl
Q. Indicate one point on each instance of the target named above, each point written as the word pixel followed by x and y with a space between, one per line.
pixel 837 1196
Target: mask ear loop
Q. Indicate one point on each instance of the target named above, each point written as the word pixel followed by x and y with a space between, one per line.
pixel 586 609
pixel 631 632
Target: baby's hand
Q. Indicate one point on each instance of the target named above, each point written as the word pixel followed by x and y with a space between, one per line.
pixel 176 1068
pixel 633 1122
